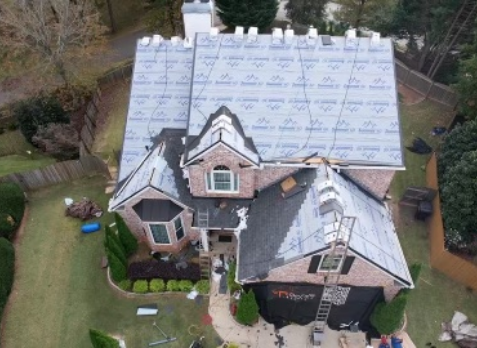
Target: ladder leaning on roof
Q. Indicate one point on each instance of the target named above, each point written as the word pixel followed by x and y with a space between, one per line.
pixel 332 278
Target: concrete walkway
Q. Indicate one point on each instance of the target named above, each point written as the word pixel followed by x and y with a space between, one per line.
pixel 262 335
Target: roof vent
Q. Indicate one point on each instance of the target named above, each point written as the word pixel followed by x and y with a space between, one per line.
pixel 252 34
pixel 326 40
pixel 214 33
pixel 156 40
pixel 312 35
pixel 350 36
pixel 289 34
pixel 187 42
pixel 375 39
pixel 238 36
pixel 277 36
pixel 145 41
pixel 175 40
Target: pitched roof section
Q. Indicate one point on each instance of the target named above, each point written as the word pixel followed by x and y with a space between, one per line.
pixel 222 127
pixel 160 91
pixel 302 98
pixel 154 172
pixel 374 237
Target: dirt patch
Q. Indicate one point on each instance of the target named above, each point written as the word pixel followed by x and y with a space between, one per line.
pixel 109 96
pixel 408 96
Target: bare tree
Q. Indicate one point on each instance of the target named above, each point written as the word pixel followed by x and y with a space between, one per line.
pixel 57 32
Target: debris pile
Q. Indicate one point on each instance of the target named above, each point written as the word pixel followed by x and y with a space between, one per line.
pixel 85 209
pixel 460 331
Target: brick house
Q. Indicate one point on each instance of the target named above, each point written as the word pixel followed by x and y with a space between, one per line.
pixel 266 140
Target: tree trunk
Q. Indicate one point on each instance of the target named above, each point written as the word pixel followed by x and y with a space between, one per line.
pixel 360 14
pixel 111 16
pixel 60 69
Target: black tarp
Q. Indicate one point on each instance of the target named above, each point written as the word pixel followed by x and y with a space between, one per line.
pixel 284 303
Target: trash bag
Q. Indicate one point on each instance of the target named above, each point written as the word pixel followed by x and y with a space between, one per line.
pixel 419 146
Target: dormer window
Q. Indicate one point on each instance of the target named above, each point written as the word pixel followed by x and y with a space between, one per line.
pixel 222 179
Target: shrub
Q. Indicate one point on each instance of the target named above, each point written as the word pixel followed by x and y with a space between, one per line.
pixel 203 286
pixel 173 285
pixel 101 340
pixel 125 284
pixel 140 286
pixel 185 285
pixel 13 126
pixel 58 140
pixel 128 240
pixel 151 269
pixel 36 112
pixel 415 270
pixel 12 207
pixel 231 283
pixel 118 269
pixel 388 317
pixel 157 285
pixel 247 308
pixel 73 96
pixel 7 270
pixel 2 130
pixel 113 245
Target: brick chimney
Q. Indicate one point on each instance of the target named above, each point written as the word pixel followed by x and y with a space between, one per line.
pixel 197 16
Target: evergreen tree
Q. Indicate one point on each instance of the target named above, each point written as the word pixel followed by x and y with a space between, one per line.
pixel 359 13
pixel 7 270
pixel 101 340
pixel 307 12
pixel 128 240
pixel 117 268
pixel 247 309
pixel 247 13
pixel 466 87
pixel 113 245
pixel 388 317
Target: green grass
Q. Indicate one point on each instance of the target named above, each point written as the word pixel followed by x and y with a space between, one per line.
pixel 14 157
pixel 61 291
pixel 436 297
pixel 109 137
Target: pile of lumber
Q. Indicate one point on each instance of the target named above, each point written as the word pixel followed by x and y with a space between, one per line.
pixel 85 209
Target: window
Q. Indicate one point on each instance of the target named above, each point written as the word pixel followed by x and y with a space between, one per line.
pixel 222 179
pixel 329 263
pixel 159 234
pixel 178 228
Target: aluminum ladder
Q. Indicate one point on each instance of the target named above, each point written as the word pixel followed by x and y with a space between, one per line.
pixel 332 279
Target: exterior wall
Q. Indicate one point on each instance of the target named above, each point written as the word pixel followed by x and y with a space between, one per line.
pixel 360 274
pixel 270 175
pixel 197 23
pixel 221 156
pixel 141 229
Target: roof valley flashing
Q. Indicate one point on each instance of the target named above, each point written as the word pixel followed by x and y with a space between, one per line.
pixel 294 98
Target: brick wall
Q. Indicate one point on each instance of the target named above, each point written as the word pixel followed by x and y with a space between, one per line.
pixel 221 156
pixel 141 229
pixel 360 274
pixel 270 175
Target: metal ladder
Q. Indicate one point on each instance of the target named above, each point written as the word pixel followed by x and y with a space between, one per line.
pixel 332 277
pixel 204 257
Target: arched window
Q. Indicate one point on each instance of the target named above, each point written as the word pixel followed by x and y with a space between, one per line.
pixel 222 179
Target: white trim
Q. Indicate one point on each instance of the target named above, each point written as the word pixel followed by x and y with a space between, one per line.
pixel 278 163
pixel 152 236
pixel 182 227
pixel 234 177
pixel 227 147
pixel 323 257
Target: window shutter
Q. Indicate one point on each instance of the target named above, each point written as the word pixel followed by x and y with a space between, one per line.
pixel 314 263
pixel 208 181
pixel 347 264
pixel 236 184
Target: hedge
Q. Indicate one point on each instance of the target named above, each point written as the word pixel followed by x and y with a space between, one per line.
pixel 118 270
pixel 203 286
pixel 141 286
pixel 157 285
pixel 231 283
pixel 173 285
pixel 113 245
pixel 151 269
pixel 388 317
pixel 128 240
pixel 247 309
pixel 7 270
pixel 101 340
pixel 12 208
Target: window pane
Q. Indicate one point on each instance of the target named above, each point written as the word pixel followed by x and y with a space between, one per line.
pixel 222 182
pixel 159 234
pixel 236 184
pixel 179 229
pixel 209 182
pixel 330 263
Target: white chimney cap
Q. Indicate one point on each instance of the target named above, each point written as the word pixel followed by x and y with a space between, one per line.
pixel 238 33
pixel 156 40
pixel 145 41
pixel 214 33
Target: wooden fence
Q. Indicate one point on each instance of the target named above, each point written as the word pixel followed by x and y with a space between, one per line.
pixel 455 267
pixel 88 132
pixel 425 86
pixel 58 172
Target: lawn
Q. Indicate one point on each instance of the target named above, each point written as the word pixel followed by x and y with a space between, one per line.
pixel 60 290
pixel 14 157
pixel 436 296
pixel 113 112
